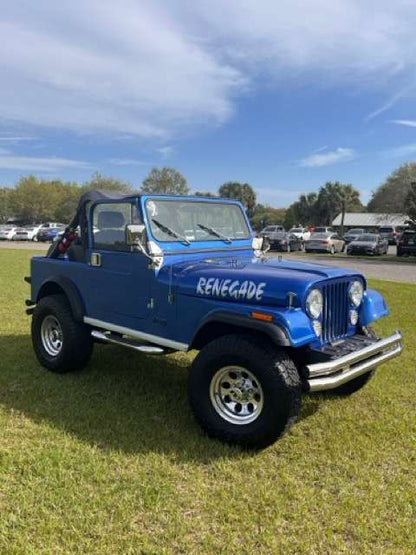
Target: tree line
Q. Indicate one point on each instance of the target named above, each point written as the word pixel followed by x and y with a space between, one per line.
pixel 36 200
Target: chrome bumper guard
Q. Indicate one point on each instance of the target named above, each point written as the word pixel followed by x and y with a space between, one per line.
pixel 329 375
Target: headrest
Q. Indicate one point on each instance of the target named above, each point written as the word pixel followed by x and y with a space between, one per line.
pixel 110 219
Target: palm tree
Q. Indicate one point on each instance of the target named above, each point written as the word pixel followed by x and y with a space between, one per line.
pixel 335 197
pixel 348 197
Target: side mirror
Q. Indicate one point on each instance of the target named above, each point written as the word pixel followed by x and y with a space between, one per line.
pixel 135 235
pixel 260 244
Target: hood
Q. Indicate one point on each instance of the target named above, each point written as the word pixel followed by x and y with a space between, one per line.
pixel 363 243
pixel 252 280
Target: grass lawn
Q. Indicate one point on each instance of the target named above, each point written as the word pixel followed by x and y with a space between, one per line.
pixel 110 460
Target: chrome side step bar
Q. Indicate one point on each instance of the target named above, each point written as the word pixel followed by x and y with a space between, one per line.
pixel 332 374
pixel 117 340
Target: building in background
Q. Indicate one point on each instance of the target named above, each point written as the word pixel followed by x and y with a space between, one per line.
pixel 369 220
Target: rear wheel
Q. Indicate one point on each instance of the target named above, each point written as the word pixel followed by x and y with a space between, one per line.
pixel 60 343
pixel 355 385
pixel 244 391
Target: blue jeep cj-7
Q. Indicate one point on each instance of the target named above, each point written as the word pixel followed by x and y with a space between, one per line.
pixel 162 273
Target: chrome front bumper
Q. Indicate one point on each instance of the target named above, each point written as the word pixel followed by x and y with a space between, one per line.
pixel 329 375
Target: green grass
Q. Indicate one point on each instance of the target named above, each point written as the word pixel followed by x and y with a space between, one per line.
pixel 110 460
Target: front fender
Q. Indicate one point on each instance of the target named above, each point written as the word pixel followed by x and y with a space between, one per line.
pixel 289 328
pixel 374 307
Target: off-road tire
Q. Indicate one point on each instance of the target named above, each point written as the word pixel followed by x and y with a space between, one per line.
pixel 273 370
pixel 355 385
pixel 77 344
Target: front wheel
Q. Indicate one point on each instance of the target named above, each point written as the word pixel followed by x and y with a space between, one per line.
pixel 60 343
pixel 244 391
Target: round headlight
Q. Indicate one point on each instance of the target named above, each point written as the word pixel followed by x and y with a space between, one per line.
pixel 314 303
pixel 356 293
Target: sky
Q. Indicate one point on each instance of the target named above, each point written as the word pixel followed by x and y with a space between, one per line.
pixel 282 94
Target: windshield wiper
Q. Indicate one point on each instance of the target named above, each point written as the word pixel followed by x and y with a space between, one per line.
pixel 171 232
pixel 213 231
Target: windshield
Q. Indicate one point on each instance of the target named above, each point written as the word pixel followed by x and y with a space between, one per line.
pixel 355 231
pixel 190 221
pixel 320 235
pixel 367 238
pixel 385 230
pixel 296 230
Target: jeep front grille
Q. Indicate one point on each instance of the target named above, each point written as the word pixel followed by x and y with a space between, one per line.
pixel 335 311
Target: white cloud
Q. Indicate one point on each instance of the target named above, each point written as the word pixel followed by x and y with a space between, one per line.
pixel 340 37
pixel 10 161
pixel 165 151
pixel 153 68
pixel 16 139
pixel 388 104
pixel 102 68
pixel 401 151
pixel 406 122
pixel 328 158
pixel 128 162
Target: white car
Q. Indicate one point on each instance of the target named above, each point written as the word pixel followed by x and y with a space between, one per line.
pixel 302 233
pixel 51 224
pixel 7 232
pixel 26 233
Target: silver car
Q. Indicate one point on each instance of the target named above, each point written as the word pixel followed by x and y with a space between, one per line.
pixel 7 232
pixel 324 242
pixel 368 243
pixel 26 233
pixel 389 232
pixel 353 234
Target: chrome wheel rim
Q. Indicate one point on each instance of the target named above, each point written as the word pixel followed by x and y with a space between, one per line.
pixel 236 395
pixel 51 335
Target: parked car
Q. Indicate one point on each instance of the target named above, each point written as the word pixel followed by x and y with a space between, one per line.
pixel 52 224
pixel 49 233
pixel 324 242
pixel 353 234
pixel 323 229
pixel 272 234
pixel 369 243
pixel 27 233
pixel 390 233
pixel 265 329
pixel 286 242
pixel 7 233
pixel 270 229
pixel 302 233
pixel 401 229
pixel 407 243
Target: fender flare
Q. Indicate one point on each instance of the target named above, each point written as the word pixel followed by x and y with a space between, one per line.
pixel 71 292
pixel 276 333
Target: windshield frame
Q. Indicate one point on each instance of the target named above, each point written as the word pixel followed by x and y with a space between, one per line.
pixel 207 243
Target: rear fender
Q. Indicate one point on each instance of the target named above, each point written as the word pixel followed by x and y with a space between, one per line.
pixel 60 284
